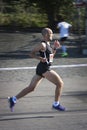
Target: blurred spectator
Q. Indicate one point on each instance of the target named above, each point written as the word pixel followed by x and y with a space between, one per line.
pixel 64 33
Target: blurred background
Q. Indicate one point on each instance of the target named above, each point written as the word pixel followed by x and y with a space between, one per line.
pixel 36 13
pixel 33 15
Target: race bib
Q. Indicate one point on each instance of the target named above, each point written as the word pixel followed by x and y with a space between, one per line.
pixel 50 57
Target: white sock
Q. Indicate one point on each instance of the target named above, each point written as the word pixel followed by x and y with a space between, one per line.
pixel 56 103
pixel 14 99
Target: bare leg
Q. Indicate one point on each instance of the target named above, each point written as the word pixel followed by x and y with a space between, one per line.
pixel 34 82
pixel 55 79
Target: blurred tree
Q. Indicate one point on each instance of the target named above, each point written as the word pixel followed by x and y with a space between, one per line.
pixel 50 7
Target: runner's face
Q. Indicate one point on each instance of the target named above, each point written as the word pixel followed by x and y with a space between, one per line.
pixel 50 35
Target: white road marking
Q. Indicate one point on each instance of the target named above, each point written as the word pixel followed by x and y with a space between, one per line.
pixel 34 67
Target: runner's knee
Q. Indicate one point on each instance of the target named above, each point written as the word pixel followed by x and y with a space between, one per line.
pixel 60 84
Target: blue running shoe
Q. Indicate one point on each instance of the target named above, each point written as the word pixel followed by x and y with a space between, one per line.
pixel 12 102
pixel 59 107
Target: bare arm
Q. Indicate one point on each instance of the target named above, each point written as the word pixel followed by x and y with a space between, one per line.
pixel 56 46
pixel 35 50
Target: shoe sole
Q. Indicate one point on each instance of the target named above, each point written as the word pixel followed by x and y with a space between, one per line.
pixel 58 109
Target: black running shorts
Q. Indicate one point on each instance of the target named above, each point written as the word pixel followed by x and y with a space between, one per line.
pixel 42 68
pixel 63 39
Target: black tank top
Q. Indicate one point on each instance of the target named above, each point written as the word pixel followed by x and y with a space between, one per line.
pixel 46 54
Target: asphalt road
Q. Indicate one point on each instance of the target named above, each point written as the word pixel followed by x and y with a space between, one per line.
pixel 34 111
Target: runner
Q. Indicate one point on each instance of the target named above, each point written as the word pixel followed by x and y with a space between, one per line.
pixel 43 70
